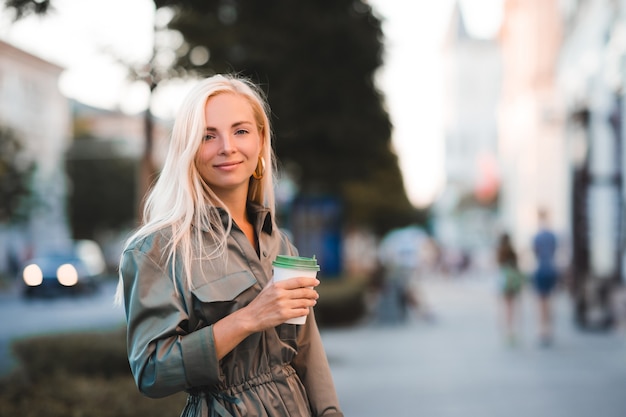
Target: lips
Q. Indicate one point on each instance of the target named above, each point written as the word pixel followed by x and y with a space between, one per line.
pixel 228 165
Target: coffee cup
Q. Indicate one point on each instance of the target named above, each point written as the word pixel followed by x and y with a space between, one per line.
pixel 287 267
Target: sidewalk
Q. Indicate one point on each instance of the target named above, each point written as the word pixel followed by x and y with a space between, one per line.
pixel 460 365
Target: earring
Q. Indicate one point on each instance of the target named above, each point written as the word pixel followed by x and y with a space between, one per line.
pixel 260 169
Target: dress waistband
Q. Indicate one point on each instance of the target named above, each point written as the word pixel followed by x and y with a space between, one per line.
pixel 202 397
pixel 260 379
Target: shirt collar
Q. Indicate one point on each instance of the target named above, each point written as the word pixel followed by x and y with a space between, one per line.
pixel 260 217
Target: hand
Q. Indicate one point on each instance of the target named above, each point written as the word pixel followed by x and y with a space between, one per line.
pixel 275 304
pixel 281 301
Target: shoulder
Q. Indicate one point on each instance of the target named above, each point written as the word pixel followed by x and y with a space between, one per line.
pixel 287 245
pixel 150 243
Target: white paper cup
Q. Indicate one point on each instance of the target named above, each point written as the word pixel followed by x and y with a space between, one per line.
pixel 287 267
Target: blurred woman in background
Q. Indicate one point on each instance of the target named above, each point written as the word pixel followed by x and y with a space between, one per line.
pixel 511 283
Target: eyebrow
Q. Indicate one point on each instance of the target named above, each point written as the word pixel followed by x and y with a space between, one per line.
pixel 236 124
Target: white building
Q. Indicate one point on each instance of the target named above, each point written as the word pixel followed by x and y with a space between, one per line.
pixel 465 213
pixel 532 152
pixel 32 105
pixel 592 78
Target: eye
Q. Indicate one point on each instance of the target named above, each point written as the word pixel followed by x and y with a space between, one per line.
pixel 208 137
pixel 241 132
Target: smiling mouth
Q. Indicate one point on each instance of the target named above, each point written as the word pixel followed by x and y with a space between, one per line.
pixel 227 165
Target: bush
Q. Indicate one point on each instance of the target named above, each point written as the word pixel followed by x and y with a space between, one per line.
pixel 64 395
pixel 88 354
pixel 341 302
pixel 79 375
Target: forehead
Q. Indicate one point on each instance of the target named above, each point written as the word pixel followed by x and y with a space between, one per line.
pixel 228 107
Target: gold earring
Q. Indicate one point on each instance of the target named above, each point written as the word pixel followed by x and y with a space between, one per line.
pixel 260 169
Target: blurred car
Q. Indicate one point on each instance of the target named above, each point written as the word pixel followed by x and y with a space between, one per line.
pixel 76 271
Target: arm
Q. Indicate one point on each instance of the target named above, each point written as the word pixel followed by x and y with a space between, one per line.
pixel 165 355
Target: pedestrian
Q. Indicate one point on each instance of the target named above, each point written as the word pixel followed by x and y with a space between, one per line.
pixel 203 313
pixel 399 259
pixel 511 282
pixel 545 277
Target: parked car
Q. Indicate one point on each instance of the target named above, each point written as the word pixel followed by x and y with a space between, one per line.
pixel 76 271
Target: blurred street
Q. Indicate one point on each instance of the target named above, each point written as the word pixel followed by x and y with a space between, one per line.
pixel 23 318
pixel 459 365
pixel 455 365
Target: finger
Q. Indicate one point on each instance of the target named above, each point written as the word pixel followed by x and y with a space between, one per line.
pixel 289 298
pixel 298 282
pixel 304 293
pixel 291 310
pixel 298 304
pixel 288 295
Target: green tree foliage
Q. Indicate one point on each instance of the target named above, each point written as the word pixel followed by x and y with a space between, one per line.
pixel 16 172
pixel 102 187
pixel 316 61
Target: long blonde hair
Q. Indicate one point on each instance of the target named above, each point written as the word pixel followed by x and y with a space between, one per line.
pixel 180 200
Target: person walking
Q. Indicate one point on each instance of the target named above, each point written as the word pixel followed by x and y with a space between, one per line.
pixel 195 278
pixel 545 277
pixel 511 284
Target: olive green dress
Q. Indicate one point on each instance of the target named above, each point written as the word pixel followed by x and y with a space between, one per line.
pixel 280 372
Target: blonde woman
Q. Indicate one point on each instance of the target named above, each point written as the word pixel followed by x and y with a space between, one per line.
pixel 203 314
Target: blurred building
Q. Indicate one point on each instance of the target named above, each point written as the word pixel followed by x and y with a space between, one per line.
pixel 32 106
pixel 47 123
pixel 592 76
pixel 125 131
pixel 561 140
pixel 103 135
pixel 532 151
pixel 465 215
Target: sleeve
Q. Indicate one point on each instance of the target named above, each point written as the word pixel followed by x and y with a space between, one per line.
pixel 313 369
pixel 164 354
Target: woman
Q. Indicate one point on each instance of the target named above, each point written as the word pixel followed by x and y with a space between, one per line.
pixel 512 281
pixel 203 313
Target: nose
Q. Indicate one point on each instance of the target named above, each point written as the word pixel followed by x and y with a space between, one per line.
pixel 228 144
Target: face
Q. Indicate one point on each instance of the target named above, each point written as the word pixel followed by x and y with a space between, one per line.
pixel 231 145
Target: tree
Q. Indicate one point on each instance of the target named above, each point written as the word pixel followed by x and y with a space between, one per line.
pixel 102 187
pixel 316 61
pixel 16 173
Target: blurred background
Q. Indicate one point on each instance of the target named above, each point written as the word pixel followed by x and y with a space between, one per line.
pixel 406 132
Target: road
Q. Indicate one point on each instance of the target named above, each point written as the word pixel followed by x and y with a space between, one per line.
pixel 25 317
pixel 459 365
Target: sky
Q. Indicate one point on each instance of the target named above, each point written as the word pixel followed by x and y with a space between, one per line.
pixel 85 36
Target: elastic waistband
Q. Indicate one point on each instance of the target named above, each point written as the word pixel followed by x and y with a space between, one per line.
pixel 255 381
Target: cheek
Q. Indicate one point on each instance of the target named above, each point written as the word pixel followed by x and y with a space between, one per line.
pixel 201 162
pixel 202 156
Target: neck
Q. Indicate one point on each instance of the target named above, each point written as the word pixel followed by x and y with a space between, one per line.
pixel 236 205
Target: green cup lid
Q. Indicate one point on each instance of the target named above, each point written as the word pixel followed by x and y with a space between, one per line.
pixel 296 262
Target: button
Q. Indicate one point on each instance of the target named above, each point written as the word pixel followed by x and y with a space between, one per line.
pixel 265 254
